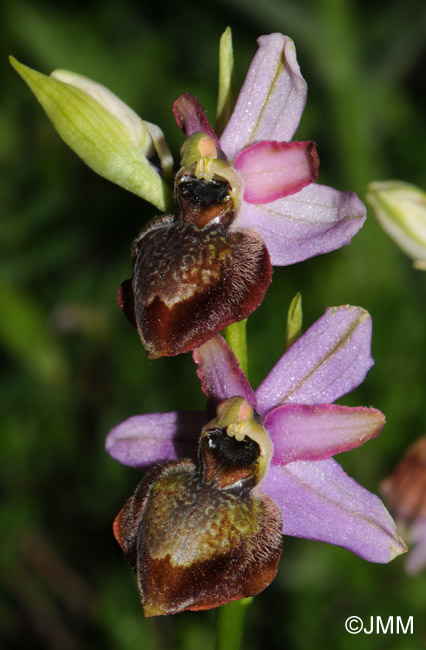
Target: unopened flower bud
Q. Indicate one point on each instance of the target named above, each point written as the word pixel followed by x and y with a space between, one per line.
pixel 108 135
pixel 401 210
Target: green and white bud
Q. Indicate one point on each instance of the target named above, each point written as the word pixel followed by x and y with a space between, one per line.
pixel 401 210
pixel 106 133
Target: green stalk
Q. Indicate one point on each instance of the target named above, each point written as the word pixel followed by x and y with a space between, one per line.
pixel 230 623
pixel 230 617
pixel 236 338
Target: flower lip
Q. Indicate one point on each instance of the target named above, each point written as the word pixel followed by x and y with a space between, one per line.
pixel 218 539
pixel 194 275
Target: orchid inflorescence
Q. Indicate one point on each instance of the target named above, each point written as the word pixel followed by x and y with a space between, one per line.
pixel 204 526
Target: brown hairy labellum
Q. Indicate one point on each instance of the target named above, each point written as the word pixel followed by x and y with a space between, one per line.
pixel 200 536
pixel 193 274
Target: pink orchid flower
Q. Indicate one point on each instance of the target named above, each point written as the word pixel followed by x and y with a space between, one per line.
pixel 245 201
pixel 316 498
pixel 296 217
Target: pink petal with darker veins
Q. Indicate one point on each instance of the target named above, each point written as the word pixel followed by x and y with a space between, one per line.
pixel 144 440
pixel 272 99
pixel 316 220
pixel 329 360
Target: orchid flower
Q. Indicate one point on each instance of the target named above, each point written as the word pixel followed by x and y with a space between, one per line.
pixel 296 217
pixel 244 201
pixel 303 429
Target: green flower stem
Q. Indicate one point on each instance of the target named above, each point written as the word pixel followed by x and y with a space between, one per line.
pixel 229 624
pixel 230 617
pixel 236 338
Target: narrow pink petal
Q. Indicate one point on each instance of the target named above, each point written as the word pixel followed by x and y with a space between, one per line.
pixel 144 440
pixel 272 99
pixel 318 500
pixel 316 220
pixel 330 359
pixel 271 170
pixel 191 118
pixel 220 374
pixel 302 432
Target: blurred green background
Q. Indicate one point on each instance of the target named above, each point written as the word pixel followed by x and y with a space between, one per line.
pixel 72 366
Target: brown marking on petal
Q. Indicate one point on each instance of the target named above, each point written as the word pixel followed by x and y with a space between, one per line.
pixel 405 488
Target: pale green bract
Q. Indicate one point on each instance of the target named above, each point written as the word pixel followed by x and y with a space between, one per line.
pixel 108 135
pixel 294 321
pixel 225 99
